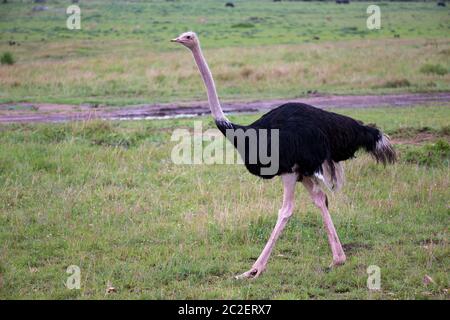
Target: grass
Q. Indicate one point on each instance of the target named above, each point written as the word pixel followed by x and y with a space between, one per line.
pixel 258 50
pixel 434 68
pixel 432 155
pixel 106 196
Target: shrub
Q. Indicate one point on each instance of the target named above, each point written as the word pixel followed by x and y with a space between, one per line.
pixel 445 130
pixel 430 155
pixel 434 69
pixel 243 25
pixel 7 58
pixel 398 83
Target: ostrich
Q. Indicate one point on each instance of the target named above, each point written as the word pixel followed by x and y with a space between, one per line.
pixel 312 143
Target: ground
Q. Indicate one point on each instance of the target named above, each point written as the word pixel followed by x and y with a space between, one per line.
pixel 51 112
pixel 105 196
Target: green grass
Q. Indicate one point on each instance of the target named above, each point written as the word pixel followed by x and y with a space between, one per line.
pixel 260 49
pixel 431 155
pixel 106 196
pixel 434 68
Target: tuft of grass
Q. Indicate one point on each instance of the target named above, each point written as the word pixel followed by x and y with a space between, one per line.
pixel 409 132
pixel 399 83
pixel 434 69
pixel 243 25
pixel 445 130
pixel 432 154
pixel 7 58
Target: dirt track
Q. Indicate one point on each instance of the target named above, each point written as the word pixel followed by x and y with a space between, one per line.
pixel 41 112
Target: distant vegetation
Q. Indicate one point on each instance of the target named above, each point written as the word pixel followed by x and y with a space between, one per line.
pixel 7 58
pixel 256 50
pixel 434 69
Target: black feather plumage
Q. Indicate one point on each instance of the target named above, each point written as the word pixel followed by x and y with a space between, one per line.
pixel 309 136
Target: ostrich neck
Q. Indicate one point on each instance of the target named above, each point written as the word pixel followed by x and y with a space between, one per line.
pixel 213 99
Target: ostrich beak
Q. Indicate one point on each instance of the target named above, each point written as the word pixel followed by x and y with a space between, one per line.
pixel 175 40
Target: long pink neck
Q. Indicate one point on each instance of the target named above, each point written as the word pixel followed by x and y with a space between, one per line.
pixel 213 99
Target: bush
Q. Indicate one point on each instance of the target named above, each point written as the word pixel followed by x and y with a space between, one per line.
pixel 243 25
pixel 398 83
pixel 433 69
pixel 7 58
pixel 430 155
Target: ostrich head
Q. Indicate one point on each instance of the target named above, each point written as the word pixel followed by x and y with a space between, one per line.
pixel 188 39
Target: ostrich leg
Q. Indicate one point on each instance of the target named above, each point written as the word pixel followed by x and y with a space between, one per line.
pixel 320 200
pixel 284 214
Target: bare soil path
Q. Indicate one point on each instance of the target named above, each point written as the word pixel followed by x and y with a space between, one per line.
pixel 44 112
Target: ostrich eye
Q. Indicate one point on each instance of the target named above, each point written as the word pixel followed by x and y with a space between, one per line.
pixel 188 37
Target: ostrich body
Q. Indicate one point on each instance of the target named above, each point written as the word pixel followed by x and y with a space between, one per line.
pixel 312 143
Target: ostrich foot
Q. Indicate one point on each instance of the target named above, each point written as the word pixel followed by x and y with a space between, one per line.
pixel 338 261
pixel 253 273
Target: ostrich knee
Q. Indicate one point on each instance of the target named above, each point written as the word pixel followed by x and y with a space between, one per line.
pixel 320 200
pixel 285 213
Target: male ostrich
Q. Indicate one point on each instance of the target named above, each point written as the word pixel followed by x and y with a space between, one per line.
pixel 312 142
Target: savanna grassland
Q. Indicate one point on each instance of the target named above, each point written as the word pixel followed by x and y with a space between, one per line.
pixel 107 197
pixel 259 49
